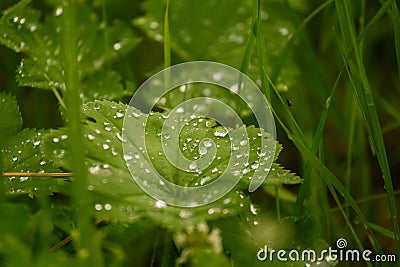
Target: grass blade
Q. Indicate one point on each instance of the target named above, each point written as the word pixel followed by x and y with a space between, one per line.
pixel 356 71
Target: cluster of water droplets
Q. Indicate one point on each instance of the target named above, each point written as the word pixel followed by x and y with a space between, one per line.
pixel 25 156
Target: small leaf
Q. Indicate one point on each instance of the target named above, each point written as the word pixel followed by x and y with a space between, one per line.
pixel 22 155
pixel 21 29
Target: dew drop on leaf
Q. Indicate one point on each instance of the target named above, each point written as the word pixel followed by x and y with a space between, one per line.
pixel 243 142
pixel 180 110
pixel 253 209
pixel 203 151
pixel 127 157
pixel 192 166
pixel 167 136
pixel 90 137
pixel 23 178
pixel 98 207
pixel 185 214
pixel 59 11
pixel 160 204
pixel 119 114
pixel 117 46
pixel 220 133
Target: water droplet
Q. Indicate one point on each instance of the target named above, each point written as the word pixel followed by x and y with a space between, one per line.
pixel 213 210
pixel 120 138
pixel 160 204
pixel 217 76
pixel 185 214
pixel 243 142
pixel 236 173
pixel 42 162
pixel 107 206
pixel 245 171
pixel 227 200
pixel 36 143
pixel 127 157
pixel 182 88
pixel 255 166
pixel 220 132
pixel 106 146
pixel 203 151
pixel 180 110
pixel 119 114
pixel 14 159
pixel 192 166
pixel 96 106
pixel 167 136
pixel 253 209
pixel 154 25
pixel 90 137
pixel 56 139
pixel 207 143
pixel 23 178
pixel 117 46
pixel 98 207
pixel 283 31
pixel 59 11
pixel 94 169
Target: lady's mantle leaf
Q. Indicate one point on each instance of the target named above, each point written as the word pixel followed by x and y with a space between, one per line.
pixel 116 196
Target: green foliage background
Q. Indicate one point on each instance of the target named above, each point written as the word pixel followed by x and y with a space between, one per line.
pixel 329 69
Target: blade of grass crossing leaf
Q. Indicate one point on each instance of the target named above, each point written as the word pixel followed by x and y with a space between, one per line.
pixel 358 77
pixel 80 196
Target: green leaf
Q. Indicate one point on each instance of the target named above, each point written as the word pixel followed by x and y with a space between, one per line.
pixel 22 30
pixel 222 36
pixel 117 196
pixel 197 35
pixel 22 155
pixel 10 117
